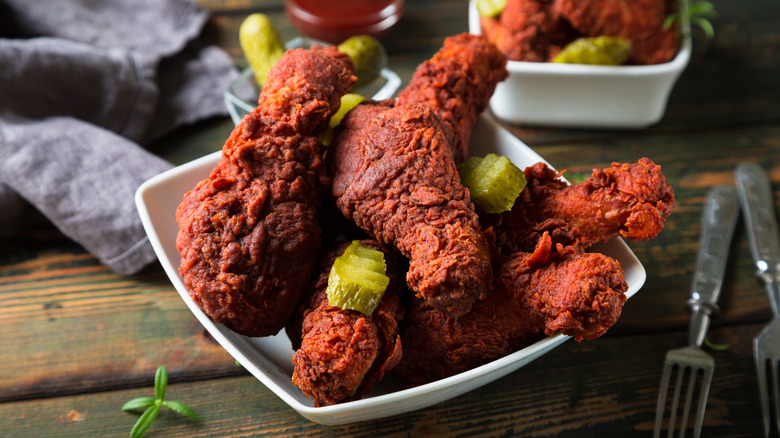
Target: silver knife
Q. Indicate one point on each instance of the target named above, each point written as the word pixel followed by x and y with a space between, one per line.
pixel 755 196
pixel 718 221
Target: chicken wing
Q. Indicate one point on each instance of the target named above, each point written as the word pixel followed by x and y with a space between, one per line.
pixel 535 294
pixel 631 200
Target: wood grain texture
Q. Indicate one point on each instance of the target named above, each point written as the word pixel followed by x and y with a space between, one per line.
pixel 606 387
pixel 77 341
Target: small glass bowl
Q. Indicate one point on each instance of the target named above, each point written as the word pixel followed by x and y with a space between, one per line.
pixel 241 95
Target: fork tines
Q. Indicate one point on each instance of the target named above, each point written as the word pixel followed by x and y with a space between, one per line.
pixel 767 373
pixel 691 370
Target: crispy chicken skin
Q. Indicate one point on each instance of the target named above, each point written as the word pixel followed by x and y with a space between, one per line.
pixel 457 83
pixel 631 200
pixel 536 30
pixel 528 30
pixel 536 294
pixel 639 21
pixel 342 353
pixel 395 177
pixel 248 234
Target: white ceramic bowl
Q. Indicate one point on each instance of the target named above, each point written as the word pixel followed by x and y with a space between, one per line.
pixel 270 358
pixel 589 96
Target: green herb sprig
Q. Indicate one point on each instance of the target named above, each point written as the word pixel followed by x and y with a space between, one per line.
pixel 698 13
pixel 152 405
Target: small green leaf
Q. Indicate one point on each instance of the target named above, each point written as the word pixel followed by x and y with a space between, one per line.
pixel 160 382
pixel 182 409
pixel 715 347
pixel 138 403
pixel 697 14
pixel 702 8
pixel 144 421
pixel 670 19
pixel 705 26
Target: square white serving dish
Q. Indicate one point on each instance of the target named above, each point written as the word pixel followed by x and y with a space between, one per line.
pixel 270 359
pixel 586 96
pixel 242 94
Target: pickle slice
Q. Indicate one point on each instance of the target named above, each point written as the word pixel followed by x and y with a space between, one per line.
pixel 261 45
pixel 357 280
pixel 603 50
pixel 348 101
pixel 368 56
pixel 490 8
pixel 493 181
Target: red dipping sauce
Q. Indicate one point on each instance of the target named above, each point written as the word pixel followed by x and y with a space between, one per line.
pixel 335 21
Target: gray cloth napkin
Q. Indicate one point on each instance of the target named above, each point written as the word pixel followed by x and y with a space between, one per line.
pixel 83 85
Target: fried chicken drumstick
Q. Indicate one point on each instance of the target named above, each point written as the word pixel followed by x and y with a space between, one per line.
pixel 249 235
pixel 631 200
pixel 535 294
pixel 394 176
pixel 340 353
pixel 457 83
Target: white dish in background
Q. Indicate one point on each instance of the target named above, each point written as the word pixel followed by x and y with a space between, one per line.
pixel 269 359
pixel 589 96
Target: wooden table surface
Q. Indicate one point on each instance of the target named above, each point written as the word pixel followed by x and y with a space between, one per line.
pixel 77 341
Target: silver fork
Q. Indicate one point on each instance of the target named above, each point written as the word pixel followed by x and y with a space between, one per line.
pixel 692 366
pixel 755 193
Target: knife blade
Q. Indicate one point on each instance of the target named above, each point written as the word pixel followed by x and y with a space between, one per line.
pixel 755 196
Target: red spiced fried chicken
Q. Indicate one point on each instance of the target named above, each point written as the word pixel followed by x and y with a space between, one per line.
pixel 527 30
pixel 395 177
pixel 395 174
pixel 638 21
pixel 342 353
pixel 631 200
pixel 535 294
pixel 457 83
pixel 248 234
pixel 536 30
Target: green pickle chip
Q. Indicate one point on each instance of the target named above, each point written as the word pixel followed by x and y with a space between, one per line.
pixel 357 280
pixel 367 54
pixel 261 45
pixel 493 181
pixel 603 50
pixel 348 101
pixel 490 8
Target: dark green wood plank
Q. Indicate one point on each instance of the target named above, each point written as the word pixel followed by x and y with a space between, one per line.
pixel 606 387
pixel 71 325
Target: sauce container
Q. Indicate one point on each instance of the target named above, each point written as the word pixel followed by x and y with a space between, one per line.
pixel 336 21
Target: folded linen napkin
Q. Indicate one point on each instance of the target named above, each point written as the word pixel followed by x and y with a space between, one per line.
pixel 83 85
